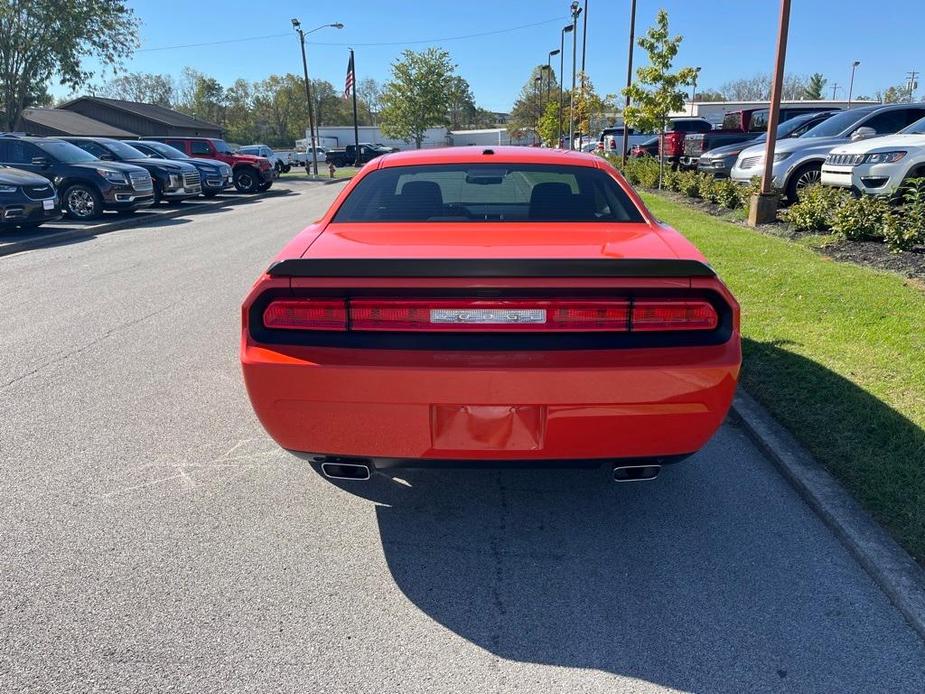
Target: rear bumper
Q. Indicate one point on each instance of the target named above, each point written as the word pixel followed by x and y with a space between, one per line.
pixel 491 406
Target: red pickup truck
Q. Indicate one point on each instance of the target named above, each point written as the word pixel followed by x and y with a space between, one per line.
pixel 672 145
pixel 738 126
pixel 251 173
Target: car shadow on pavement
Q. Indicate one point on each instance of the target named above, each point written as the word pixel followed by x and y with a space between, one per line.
pixel 714 577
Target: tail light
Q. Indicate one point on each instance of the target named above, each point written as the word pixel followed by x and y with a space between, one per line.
pixel 479 315
pixel 672 143
pixel 306 314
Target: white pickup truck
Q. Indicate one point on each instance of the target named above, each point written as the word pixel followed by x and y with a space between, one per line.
pixel 280 161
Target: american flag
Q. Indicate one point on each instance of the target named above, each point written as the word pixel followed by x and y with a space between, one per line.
pixel 351 78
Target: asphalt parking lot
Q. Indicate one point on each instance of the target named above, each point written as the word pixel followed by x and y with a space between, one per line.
pixel 153 538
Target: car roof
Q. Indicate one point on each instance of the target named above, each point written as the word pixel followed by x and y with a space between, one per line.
pixel 489 155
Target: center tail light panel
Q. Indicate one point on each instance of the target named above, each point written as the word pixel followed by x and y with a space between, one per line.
pixel 473 315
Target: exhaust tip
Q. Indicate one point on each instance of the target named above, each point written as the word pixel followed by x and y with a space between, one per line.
pixel 346 471
pixel 635 473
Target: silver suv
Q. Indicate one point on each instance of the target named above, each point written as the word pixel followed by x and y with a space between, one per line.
pixel 798 162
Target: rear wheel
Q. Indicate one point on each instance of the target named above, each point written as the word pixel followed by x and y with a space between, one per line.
pixel 803 178
pixel 82 202
pixel 246 180
pixel 265 186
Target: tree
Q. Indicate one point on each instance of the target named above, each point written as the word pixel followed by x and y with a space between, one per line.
pixel 656 92
pixel 42 38
pixel 548 127
pixel 758 88
pixel 369 93
pixel 146 87
pixel 709 95
pixel 895 95
pixel 590 110
pixel 417 96
pixel 531 103
pixel 461 103
pixel 202 97
pixel 814 86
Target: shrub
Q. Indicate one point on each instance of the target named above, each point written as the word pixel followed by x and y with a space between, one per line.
pixel 706 187
pixel 728 194
pixel 647 171
pixel 906 227
pixel 671 179
pixel 816 208
pixel 689 184
pixel 861 218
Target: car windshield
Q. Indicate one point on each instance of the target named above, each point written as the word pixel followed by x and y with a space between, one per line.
pixel 165 151
pixel 222 147
pixel 917 128
pixel 124 151
pixel 488 192
pixel 837 124
pixel 66 152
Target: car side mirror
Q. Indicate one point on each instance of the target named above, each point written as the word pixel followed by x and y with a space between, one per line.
pixel 863 133
pixel 40 161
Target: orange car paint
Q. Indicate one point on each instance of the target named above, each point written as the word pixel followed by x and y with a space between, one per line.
pixel 416 404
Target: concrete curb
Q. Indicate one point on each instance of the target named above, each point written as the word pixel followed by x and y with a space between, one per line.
pixel 891 567
pixel 128 222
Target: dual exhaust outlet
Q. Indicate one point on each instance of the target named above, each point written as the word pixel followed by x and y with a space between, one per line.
pixel 362 472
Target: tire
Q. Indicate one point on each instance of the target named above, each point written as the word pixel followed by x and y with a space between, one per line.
pixel 265 186
pixel 806 175
pixel 158 196
pixel 82 202
pixel 287 168
pixel 246 179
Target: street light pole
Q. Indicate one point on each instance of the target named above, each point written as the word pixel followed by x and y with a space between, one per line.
pixel 549 72
pixel 629 79
pixel 694 90
pixel 536 102
pixel 297 25
pixel 565 30
pixel 854 66
pixel 835 87
pixel 576 11
pixel 584 43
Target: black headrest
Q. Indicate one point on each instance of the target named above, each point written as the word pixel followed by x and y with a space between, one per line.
pixel 423 192
pixel 552 200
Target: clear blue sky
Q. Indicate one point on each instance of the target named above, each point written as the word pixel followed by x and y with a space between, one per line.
pixel 727 38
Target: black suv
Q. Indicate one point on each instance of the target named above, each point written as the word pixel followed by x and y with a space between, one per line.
pixel 87 185
pixel 26 199
pixel 174 181
pixel 215 175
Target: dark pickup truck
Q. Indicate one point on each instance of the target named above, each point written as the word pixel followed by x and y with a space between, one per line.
pixel 347 156
pixel 738 126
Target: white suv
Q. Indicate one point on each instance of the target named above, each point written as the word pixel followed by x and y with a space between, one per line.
pixel 880 165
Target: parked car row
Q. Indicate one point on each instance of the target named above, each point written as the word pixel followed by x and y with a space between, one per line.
pixel 839 145
pixel 43 177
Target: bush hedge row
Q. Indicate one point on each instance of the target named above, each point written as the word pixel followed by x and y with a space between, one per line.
pixel 900 223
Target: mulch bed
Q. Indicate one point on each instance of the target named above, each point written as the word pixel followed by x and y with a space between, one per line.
pixel 873 254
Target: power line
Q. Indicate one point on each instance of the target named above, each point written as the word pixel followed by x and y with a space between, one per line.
pixel 354 43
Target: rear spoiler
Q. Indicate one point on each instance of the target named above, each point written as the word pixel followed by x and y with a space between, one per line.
pixel 502 267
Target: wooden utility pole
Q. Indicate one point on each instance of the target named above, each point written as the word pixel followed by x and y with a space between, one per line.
pixel 763 208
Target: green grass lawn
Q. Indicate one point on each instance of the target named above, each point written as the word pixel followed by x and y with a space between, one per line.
pixel 836 353
pixel 299 172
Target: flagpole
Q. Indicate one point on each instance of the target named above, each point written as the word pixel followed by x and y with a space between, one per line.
pixel 356 127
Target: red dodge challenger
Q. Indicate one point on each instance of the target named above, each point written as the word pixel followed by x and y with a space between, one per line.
pixel 490 307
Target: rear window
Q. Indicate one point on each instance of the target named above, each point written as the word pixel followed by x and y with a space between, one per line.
pixel 485 192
